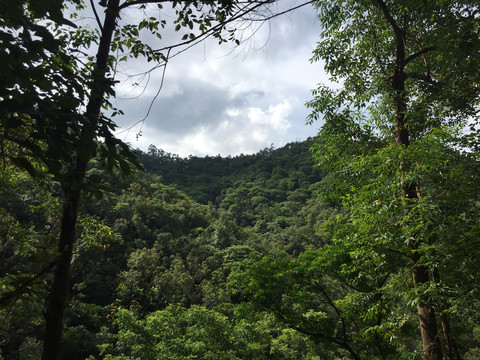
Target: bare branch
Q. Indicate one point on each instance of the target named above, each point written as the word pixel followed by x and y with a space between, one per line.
pixel 142 121
pixel 96 16
pixel 241 12
pixel 248 7
pixel 283 12
pixel 140 2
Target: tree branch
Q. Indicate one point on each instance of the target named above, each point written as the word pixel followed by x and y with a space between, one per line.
pixel 418 53
pixel 249 8
pixel 375 48
pixel 96 16
pixel 398 31
pixel 23 285
pixel 283 12
pixel 426 78
pixel 140 2
pixel 397 252
pixel 332 339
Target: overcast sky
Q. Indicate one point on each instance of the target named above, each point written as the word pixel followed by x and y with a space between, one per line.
pixel 226 100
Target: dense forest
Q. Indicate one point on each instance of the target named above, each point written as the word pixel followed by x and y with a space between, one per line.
pixel 360 243
pixel 225 258
pixel 149 252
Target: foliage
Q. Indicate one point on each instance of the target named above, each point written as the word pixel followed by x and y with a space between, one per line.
pixel 397 159
pixel 180 333
pixel 56 95
pixel 317 294
pixel 28 226
pixel 237 258
pixel 146 247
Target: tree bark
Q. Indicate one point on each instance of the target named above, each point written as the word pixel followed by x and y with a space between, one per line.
pixel 447 339
pixel 57 299
pixel 426 315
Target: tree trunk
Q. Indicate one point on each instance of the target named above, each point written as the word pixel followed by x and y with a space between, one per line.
pixel 57 299
pixel 447 333
pixel 420 274
pixel 447 341
pixel 426 315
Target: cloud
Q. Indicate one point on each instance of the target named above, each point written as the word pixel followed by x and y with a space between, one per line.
pixel 236 131
pixel 225 100
pixel 275 118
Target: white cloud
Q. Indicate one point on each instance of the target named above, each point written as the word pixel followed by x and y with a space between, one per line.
pixel 276 117
pixel 217 102
pixel 239 131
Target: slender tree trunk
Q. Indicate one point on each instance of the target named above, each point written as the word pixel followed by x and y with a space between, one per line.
pixel 426 315
pixel 420 274
pixel 447 333
pixel 447 339
pixel 57 299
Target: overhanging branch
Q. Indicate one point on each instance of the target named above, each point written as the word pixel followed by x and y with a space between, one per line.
pixel 96 15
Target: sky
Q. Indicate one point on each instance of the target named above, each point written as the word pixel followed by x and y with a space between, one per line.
pixel 226 99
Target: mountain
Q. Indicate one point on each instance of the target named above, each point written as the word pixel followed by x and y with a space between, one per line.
pixel 206 178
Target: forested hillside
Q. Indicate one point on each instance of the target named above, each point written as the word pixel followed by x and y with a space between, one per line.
pixel 147 251
pixel 255 273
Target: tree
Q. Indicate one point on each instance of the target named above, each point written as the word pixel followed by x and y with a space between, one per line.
pixel 27 229
pixel 53 97
pixel 197 332
pixel 405 73
pixel 303 293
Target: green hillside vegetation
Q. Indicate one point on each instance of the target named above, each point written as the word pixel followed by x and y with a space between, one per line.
pixel 258 273
pixel 147 250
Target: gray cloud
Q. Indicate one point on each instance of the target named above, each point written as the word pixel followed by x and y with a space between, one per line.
pixel 224 100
